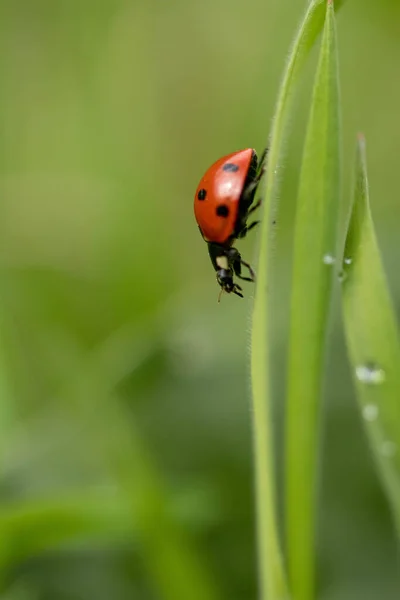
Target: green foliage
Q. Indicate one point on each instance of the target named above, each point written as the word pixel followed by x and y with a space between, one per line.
pixel 315 246
pixel 372 335
pixel 126 435
pixel 272 578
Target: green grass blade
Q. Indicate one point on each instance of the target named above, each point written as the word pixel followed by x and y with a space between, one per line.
pixel 372 336
pixel 176 569
pixel 272 578
pixel 313 271
pixel 29 528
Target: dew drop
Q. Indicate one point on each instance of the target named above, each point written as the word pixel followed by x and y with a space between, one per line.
pixel 348 261
pixel 328 259
pixel 388 448
pixel 370 412
pixel 342 276
pixel 370 374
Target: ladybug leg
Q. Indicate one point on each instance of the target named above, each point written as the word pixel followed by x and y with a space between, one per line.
pixel 249 267
pixel 235 291
pixel 260 174
pixel 253 208
pixel 253 224
pixel 263 158
pixel 251 187
pixel 244 278
pixel 262 165
pixel 247 228
pixel 237 262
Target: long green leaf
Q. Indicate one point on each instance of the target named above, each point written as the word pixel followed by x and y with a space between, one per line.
pixel 29 528
pixel 175 567
pixel 313 271
pixel 372 336
pixel 272 579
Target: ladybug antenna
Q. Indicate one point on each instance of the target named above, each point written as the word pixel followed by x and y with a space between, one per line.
pixel 219 295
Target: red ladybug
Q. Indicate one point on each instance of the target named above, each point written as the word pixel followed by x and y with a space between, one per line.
pixel 222 205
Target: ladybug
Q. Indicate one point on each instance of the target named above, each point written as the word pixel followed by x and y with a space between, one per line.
pixel 222 205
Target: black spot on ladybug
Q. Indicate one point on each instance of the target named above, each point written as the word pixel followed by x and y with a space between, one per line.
pixel 231 167
pixel 202 194
pixel 222 210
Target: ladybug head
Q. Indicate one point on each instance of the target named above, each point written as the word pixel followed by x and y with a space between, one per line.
pixel 225 280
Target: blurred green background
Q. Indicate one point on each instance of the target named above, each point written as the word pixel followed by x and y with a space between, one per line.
pixel 125 415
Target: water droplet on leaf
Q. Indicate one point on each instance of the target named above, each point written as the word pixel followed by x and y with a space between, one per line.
pixel 328 259
pixel 370 374
pixel 370 412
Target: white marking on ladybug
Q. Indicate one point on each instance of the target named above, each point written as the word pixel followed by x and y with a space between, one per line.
pixel 225 188
pixel 222 262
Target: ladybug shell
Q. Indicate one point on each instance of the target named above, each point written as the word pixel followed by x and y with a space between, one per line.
pixel 221 189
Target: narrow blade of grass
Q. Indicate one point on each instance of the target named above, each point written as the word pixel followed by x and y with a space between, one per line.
pixel 313 271
pixel 272 578
pixel 29 528
pixel 372 336
pixel 176 568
